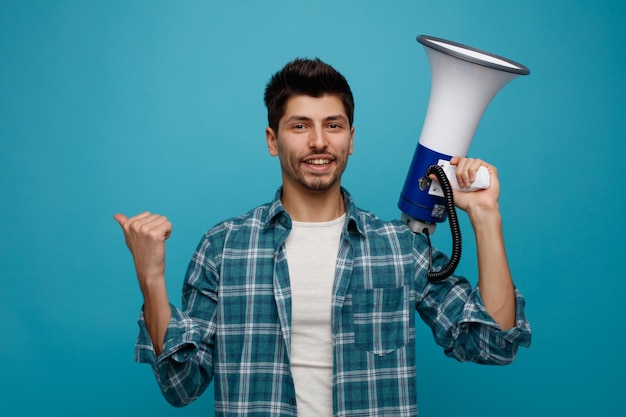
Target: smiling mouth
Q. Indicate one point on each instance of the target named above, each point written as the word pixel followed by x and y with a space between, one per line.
pixel 318 162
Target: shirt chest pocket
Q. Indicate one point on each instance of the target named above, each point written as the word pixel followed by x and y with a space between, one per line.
pixel 381 319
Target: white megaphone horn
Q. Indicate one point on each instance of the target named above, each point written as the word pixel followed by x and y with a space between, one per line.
pixel 463 82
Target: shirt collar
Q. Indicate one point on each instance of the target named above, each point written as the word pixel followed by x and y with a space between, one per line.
pixel 276 211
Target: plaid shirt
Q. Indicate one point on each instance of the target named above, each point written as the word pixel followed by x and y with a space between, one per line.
pixel 235 325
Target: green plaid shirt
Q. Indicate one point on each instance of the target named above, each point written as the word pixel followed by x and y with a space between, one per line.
pixel 235 325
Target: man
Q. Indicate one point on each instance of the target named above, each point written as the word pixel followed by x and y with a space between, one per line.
pixel 305 305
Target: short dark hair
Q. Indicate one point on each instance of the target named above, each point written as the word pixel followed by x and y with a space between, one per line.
pixel 310 77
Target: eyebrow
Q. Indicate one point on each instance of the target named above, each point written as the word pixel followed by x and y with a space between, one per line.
pixel 296 117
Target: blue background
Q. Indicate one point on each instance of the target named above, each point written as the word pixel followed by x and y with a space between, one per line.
pixel 125 106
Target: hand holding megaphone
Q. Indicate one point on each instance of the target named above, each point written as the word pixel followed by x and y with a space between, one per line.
pixel 467 175
pixel 463 181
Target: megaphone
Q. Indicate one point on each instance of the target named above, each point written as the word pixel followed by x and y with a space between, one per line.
pixel 464 80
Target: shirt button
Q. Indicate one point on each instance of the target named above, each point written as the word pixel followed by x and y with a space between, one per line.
pixel 292 402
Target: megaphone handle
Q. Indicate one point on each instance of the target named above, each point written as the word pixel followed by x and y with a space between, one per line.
pixel 455 230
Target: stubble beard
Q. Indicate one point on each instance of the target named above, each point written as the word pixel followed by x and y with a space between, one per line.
pixel 323 182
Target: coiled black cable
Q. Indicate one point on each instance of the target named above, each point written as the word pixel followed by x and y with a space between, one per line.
pixel 455 230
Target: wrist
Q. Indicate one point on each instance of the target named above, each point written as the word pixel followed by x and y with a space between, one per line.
pixel 480 215
pixel 150 283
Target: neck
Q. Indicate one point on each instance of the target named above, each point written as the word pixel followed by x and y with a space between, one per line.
pixel 313 206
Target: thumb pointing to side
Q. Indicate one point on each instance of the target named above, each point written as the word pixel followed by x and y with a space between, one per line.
pixel 120 218
pixel 145 236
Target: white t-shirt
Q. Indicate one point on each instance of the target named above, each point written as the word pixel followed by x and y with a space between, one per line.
pixel 312 249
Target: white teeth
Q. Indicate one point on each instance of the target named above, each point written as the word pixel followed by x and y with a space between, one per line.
pixel 318 162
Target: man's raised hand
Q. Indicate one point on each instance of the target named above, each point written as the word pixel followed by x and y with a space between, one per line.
pixel 145 236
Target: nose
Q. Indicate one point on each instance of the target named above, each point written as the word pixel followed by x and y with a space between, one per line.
pixel 317 139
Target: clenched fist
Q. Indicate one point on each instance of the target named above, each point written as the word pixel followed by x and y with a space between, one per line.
pixel 145 236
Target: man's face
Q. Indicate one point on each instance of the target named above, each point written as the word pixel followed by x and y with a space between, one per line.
pixel 313 142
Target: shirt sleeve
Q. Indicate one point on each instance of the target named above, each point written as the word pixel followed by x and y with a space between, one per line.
pixel 185 367
pixel 460 323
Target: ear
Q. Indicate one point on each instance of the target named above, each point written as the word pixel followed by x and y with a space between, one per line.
pixel 351 141
pixel 272 145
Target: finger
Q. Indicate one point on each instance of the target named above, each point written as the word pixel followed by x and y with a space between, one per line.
pixel 127 222
pixel 462 173
pixel 140 220
pixel 141 216
pixel 161 226
pixel 156 226
pixel 120 219
pixel 467 170
pixel 138 226
pixel 472 169
pixel 152 221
